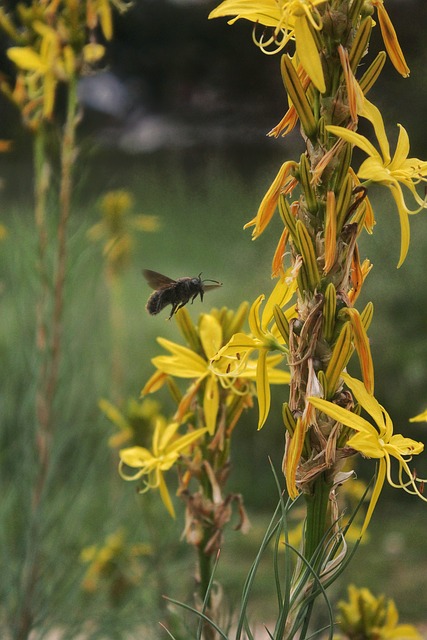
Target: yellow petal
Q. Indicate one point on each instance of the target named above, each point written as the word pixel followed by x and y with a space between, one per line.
pixel 163 434
pixel 307 52
pixel 210 332
pixel 165 496
pixel 113 414
pixel 263 388
pixel 281 295
pixel 402 149
pixel 353 138
pixel 211 404
pixel 373 114
pixel 135 456
pixel 26 58
pixel 366 400
pixel 180 445
pixel 179 367
pixel 184 363
pixel 367 444
pixel 379 482
pixel 293 456
pixel 254 318
pixel 269 202
pixel 238 344
pixel 363 349
pixel 405 231
pixel 267 13
pixel 421 417
pixel 342 415
pixel 155 383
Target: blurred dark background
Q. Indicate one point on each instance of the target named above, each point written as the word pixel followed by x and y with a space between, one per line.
pixel 175 82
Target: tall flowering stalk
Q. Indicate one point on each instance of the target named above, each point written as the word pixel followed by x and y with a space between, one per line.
pixel 55 43
pixel 310 321
pixel 322 44
pixel 197 439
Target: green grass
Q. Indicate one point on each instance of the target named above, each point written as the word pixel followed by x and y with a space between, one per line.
pixel 202 216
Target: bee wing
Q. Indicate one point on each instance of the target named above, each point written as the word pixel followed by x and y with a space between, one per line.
pixel 157 280
pixel 208 287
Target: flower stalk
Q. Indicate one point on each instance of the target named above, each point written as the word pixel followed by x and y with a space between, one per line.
pixel 322 45
pixel 51 49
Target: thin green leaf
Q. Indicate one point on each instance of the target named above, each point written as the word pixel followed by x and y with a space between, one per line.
pixel 207 596
pixel 183 605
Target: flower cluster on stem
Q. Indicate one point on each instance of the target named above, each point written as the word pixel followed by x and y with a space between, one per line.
pixel 324 206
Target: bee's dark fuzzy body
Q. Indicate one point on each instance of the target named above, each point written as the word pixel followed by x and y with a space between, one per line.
pixel 177 294
pixel 174 292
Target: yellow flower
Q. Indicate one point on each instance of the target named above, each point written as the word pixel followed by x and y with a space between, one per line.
pixel 393 172
pixel 135 423
pixel 366 616
pixel 40 66
pixel 118 225
pixel 186 363
pixel 116 561
pixel 167 447
pixel 282 183
pixel 291 19
pixel 100 11
pixel 195 364
pixel 377 441
pixel 233 359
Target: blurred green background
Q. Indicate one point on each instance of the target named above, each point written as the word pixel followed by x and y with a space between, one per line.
pixel 187 139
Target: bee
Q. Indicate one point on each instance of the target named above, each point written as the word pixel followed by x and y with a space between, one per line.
pixel 175 292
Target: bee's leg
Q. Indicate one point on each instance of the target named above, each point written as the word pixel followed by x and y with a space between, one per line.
pixel 175 307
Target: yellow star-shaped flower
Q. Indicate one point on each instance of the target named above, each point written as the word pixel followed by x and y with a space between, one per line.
pixel 167 447
pixel 375 440
pixel 233 358
pixel 186 363
pixel 392 172
pixel 291 19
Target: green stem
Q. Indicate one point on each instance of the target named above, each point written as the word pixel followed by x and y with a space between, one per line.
pixel 25 616
pixel 47 328
pixel 205 573
pixel 205 567
pixel 317 511
pixel 68 152
pixel 41 187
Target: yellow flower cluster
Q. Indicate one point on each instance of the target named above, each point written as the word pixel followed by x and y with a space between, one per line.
pixel 117 227
pixel 116 563
pixel 321 230
pixel 371 618
pixel 53 47
pixel 298 21
pixel 219 365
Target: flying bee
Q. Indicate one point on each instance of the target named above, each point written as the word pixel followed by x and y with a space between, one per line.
pixel 175 292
